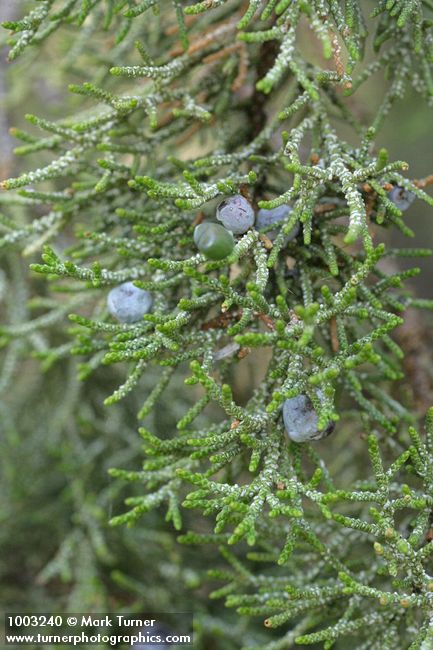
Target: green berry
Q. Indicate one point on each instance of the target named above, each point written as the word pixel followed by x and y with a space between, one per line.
pixel 213 240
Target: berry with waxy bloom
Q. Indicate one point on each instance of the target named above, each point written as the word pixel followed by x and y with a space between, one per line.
pixel 267 218
pixel 128 304
pixel 236 214
pixel 401 197
pixel 301 420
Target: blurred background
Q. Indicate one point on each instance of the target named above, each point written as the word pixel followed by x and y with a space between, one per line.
pixel 57 551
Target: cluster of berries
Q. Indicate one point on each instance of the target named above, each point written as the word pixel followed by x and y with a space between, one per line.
pixel 237 216
pixel 128 304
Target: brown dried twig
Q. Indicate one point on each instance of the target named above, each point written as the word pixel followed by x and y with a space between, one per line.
pixel 241 49
pixel 209 36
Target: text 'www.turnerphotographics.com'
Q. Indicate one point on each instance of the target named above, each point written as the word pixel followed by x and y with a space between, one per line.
pixel 117 630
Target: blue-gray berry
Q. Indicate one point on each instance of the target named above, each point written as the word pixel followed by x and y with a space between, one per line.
pixel 301 421
pixel 236 214
pixel 267 218
pixel 128 304
pixel 401 197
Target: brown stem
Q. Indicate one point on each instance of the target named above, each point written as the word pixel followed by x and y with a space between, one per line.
pixel 416 340
pixel 256 109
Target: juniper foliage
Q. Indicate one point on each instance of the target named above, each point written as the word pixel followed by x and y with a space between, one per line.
pixel 185 105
